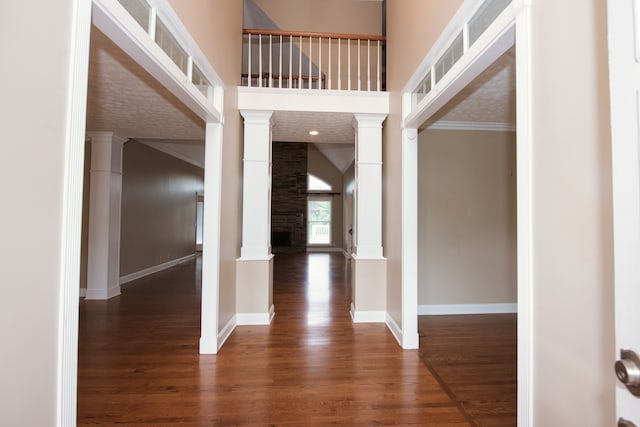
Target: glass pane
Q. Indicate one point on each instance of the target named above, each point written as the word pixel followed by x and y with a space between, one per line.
pixel 319 222
pixel 449 58
pixel 201 82
pixel 487 13
pixel 423 88
pixel 170 46
pixel 139 10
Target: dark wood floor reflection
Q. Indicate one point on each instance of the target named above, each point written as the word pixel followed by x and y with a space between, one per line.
pixel 475 359
pixel 139 362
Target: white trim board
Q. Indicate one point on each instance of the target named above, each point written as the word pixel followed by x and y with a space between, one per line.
pixel 395 330
pixel 439 309
pixel 312 100
pixel 71 219
pixel 482 126
pixel 243 319
pixel 361 316
pixel 226 331
pixel 154 269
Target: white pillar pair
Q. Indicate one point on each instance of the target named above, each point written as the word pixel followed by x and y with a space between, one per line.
pixel 254 268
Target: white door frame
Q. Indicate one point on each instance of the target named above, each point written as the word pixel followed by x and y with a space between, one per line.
pixel 72 218
pixel 624 85
pixel 147 54
pixel 514 28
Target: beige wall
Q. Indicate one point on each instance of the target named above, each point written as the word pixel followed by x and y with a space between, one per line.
pixel 158 219
pixel 321 167
pixel 335 16
pixel 572 219
pixel 466 217
pixel 33 107
pixel 216 25
pixel 412 28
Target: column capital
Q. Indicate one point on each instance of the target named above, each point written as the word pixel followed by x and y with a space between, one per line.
pixel 362 120
pixel 106 137
pixel 255 117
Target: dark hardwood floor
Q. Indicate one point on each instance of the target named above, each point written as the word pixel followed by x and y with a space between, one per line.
pixel 474 357
pixel 139 361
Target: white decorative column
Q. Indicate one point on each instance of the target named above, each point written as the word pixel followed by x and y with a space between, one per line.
pixel 254 268
pixel 369 267
pixel 103 265
pixel 209 327
pixel 408 329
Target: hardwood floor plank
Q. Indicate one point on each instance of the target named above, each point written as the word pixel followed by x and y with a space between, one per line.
pixel 139 361
pixel 475 359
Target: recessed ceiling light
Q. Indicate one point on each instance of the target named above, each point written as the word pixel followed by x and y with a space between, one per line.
pixel 313 132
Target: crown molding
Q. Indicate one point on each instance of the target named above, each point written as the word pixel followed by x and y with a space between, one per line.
pixel 484 126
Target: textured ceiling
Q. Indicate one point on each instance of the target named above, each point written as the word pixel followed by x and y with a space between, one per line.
pixel 123 98
pixel 294 126
pixel 489 99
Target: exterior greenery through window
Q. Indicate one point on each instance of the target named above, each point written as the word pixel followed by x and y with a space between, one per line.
pixel 319 221
pixel 319 213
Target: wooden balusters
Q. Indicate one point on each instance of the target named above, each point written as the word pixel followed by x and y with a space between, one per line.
pixel 320 73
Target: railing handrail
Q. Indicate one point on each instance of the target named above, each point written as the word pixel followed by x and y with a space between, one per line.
pixel 280 55
pixel 252 31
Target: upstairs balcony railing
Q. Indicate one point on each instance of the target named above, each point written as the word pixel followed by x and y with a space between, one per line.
pixel 306 60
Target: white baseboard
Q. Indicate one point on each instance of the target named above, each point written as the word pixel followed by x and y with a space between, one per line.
pixel 438 309
pixel 83 292
pixel 255 318
pixel 102 294
pixel 207 346
pixel 226 331
pixel 362 316
pixel 156 268
pixel 396 331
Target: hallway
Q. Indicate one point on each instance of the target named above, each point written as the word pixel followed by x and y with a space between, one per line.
pixel 139 361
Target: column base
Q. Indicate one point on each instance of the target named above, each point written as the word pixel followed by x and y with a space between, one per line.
pixel 109 293
pixel 369 283
pixel 254 291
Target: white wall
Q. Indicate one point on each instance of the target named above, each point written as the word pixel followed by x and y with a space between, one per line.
pixel 35 83
pixel 466 217
pixel 572 261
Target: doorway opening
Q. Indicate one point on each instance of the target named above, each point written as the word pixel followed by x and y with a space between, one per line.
pixel 467 240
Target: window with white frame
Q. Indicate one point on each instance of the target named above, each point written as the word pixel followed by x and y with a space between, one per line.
pixel 319 220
